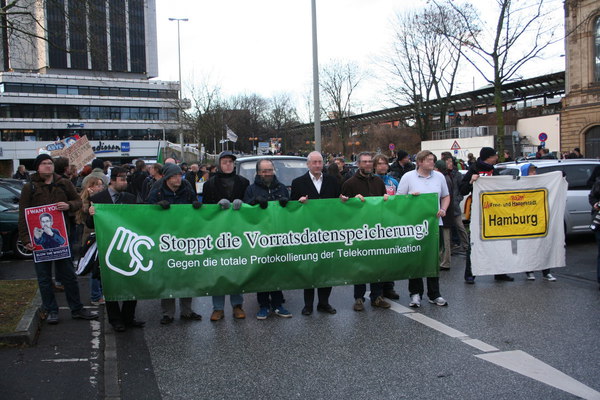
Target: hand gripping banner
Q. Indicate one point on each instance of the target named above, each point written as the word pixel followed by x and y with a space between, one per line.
pixel 149 253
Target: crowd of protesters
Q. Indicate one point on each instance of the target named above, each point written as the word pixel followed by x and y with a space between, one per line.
pixel 327 176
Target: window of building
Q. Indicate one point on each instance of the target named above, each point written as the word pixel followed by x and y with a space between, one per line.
pixel 592 143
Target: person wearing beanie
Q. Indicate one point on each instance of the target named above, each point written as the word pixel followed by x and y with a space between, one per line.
pixel 425 180
pixel 484 166
pixel 224 188
pixel 47 187
pixel 401 166
pixel 173 189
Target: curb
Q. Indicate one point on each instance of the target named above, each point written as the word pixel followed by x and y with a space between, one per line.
pixel 28 327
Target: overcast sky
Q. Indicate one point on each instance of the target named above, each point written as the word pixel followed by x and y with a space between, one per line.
pixel 265 46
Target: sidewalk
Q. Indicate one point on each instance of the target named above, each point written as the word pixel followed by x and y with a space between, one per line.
pixel 66 361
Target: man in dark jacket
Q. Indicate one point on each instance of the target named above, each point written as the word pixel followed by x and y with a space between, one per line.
pixel 119 317
pixel 266 188
pixel 401 166
pixel 484 166
pixel 224 188
pixel 365 184
pixel 174 190
pixel 136 185
pixel 316 185
pixel 21 173
pixel 225 184
pixel 46 187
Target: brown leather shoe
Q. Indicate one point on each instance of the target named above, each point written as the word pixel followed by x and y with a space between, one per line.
pixel 217 315
pixel 380 302
pixel 238 312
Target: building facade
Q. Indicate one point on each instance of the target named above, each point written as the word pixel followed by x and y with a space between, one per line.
pixel 91 76
pixel 580 118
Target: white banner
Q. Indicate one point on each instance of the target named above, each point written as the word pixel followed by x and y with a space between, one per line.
pixel 517 224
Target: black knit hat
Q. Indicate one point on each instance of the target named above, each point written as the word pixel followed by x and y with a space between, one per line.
pixel 98 163
pixel 486 152
pixel 39 160
pixel 401 155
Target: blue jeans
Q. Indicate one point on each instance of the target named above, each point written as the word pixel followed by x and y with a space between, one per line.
pixel 95 289
pixel 598 257
pixel 66 275
pixel 234 299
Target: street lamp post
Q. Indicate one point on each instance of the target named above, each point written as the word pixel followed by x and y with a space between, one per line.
pixel 317 106
pixel 180 86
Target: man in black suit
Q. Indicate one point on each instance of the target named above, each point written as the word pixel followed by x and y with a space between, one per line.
pixel 315 185
pixel 120 317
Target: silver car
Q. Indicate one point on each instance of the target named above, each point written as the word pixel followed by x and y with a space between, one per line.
pixel 287 168
pixel 577 172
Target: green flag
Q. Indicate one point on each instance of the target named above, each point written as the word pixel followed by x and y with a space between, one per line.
pixel 160 156
pixel 146 252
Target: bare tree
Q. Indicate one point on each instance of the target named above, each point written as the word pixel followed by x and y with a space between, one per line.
pixel 205 118
pixel 424 64
pixel 520 32
pixel 338 82
pixel 281 115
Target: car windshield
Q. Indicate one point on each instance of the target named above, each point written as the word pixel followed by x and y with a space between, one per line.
pixel 5 206
pixel 577 174
pixel 509 171
pixel 8 194
pixel 285 169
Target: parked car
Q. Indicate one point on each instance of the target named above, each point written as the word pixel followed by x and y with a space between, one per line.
pixel 577 172
pixel 287 168
pixel 10 190
pixel 9 218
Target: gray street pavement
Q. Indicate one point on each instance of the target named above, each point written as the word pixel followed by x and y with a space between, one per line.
pixel 501 340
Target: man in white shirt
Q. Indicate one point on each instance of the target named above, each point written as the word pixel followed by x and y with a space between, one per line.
pixel 425 180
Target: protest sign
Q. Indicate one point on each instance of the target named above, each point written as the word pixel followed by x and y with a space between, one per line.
pixel 79 153
pixel 517 224
pixel 48 233
pixel 147 252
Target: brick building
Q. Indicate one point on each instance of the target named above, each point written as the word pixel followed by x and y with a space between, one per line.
pixel 580 118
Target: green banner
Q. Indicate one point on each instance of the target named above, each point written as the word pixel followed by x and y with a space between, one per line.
pixel 148 253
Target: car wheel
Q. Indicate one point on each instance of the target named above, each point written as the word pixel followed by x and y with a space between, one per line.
pixel 20 250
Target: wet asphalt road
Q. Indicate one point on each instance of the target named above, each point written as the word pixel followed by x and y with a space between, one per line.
pixel 392 354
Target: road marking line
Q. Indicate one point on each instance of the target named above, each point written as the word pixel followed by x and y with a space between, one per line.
pixel 400 309
pixel 479 345
pixel 525 364
pixel 60 360
pixel 433 324
pixel 96 328
pixel 517 361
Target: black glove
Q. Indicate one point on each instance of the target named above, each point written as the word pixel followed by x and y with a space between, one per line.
pixel 283 202
pixel 164 204
pixel 262 201
pixel 196 204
